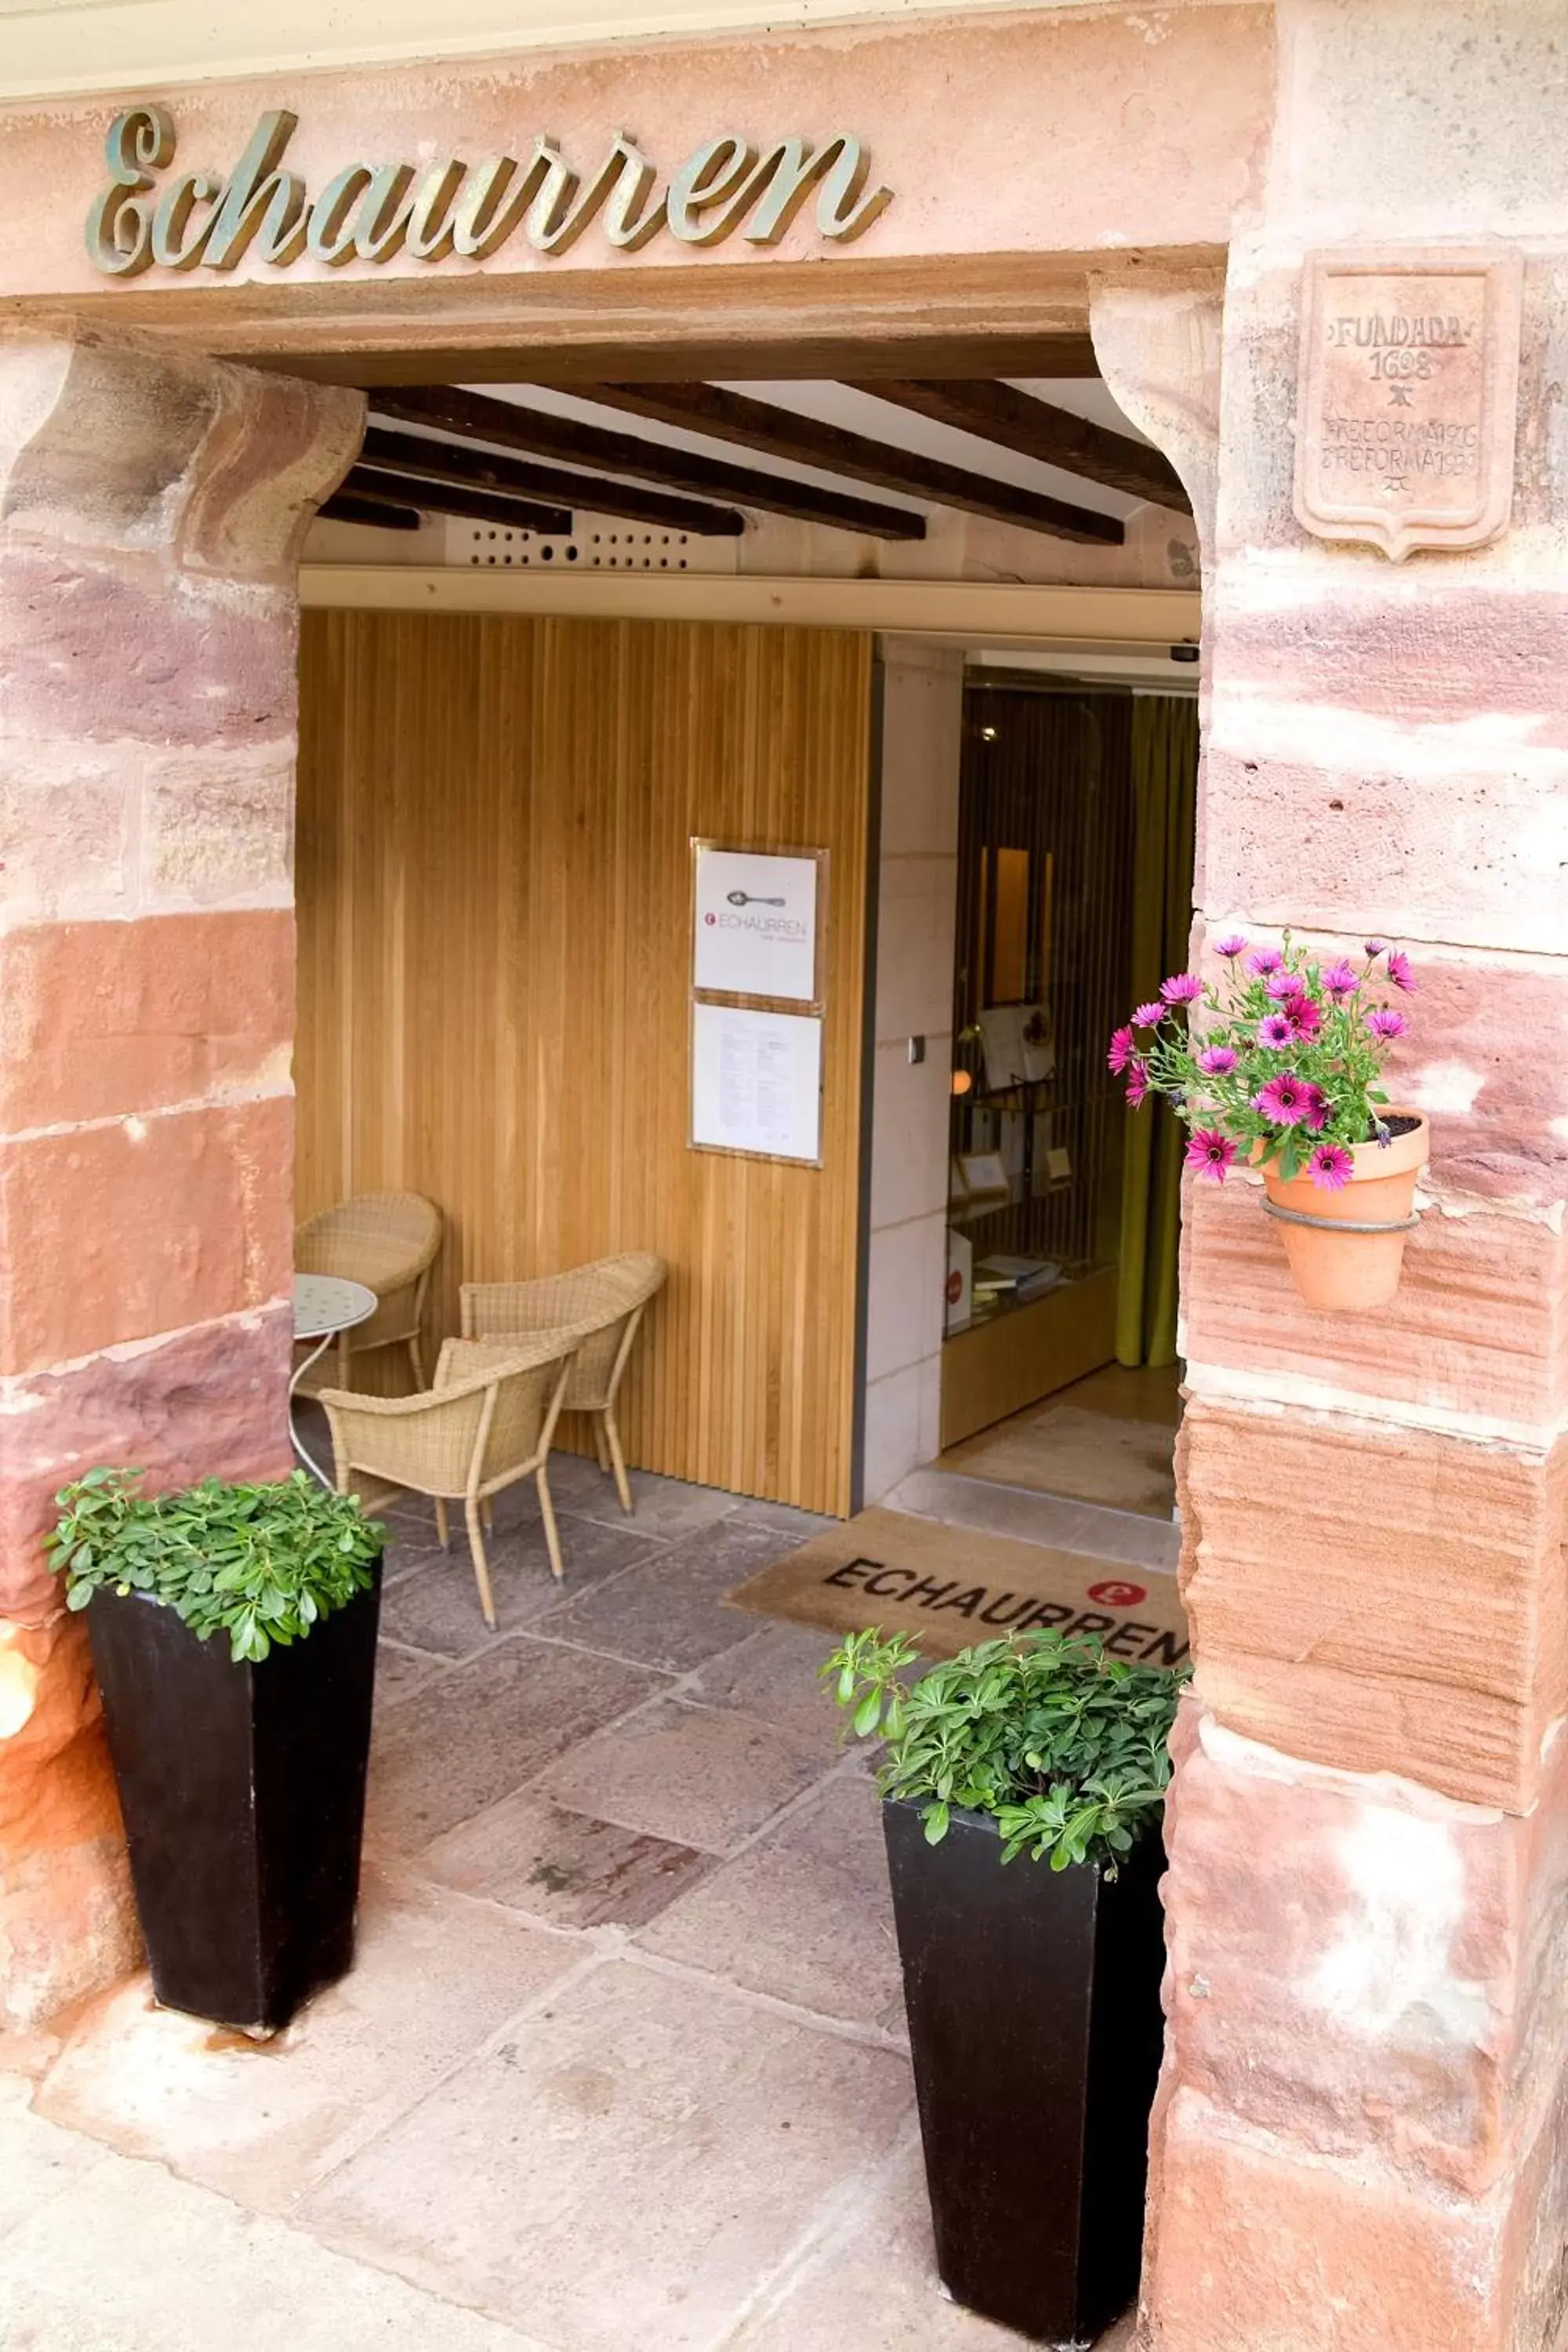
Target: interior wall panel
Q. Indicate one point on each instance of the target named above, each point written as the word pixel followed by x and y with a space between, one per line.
pixel 493 881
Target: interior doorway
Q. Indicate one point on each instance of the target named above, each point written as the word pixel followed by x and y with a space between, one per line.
pixel 1060 1372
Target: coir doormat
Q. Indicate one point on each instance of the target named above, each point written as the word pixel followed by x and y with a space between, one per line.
pixel 948 1587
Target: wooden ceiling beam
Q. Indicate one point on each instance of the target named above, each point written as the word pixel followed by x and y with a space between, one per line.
pixel 476 416
pixel 344 506
pixel 475 506
pixel 482 469
pixel 771 432
pixel 1011 419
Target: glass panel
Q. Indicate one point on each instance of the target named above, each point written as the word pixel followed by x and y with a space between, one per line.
pixel 1045 899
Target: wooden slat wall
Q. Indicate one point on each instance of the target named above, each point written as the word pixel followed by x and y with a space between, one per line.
pixel 493 884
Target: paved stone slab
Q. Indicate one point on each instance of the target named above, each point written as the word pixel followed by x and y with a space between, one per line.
pixel 37 2159
pixel 803 1915
pixel 263 2121
pixel 563 1867
pixel 133 2260
pixel 670 1611
pixel 400 1671
pixel 438 1607
pixel 480 1731
pixel 689 1774
pixel 667 1507
pixel 774 1677
pixel 873 2287
pixel 624 2169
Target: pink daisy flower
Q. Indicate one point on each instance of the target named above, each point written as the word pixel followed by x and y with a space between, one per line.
pixel 1305 1015
pixel 1209 1153
pixel 1182 988
pixel 1263 961
pixel 1340 981
pixel 1400 973
pixel 1281 985
pixel 1386 1024
pixel 1231 946
pixel 1137 1085
pixel 1285 1101
pixel 1317 1108
pixel 1149 1016
pixel 1218 1061
pixel 1374 948
pixel 1274 1029
pixel 1119 1053
pixel 1330 1167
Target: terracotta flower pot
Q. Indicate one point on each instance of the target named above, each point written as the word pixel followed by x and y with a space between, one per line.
pixel 1352 1269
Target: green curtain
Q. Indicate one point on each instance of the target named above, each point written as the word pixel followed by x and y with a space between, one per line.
pixel 1164 801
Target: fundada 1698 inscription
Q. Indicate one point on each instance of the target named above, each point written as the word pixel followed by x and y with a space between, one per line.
pixel 1409 388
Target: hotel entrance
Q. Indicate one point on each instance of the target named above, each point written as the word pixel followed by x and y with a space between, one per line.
pixel 1077 793
pixel 474 502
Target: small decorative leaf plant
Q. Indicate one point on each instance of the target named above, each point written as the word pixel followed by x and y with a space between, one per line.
pixel 1064 1747
pixel 1283 1064
pixel 262 1564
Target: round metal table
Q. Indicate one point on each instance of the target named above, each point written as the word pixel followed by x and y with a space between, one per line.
pixel 324 1305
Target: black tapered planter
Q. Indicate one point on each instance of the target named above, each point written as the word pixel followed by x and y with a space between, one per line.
pixel 243 1792
pixel 1035 2029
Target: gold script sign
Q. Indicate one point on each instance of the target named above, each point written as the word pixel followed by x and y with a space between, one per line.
pixel 1409 389
pixel 368 212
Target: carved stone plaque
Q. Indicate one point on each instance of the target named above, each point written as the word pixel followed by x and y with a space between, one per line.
pixel 1409 388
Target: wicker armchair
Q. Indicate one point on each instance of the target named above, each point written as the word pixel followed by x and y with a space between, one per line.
pixel 609 1295
pixel 486 1425
pixel 389 1242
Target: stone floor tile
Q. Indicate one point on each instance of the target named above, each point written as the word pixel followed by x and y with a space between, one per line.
pixel 625 2168
pixel 133 2260
pixel 784 1518
pixel 563 1867
pixel 400 1671
pixel 36 2157
pixel 803 1915
pixel 438 1609
pixel 480 1730
pixel 872 2287
pixel 671 1610
pixel 262 2121
pixel 774 1677
pixel 689 1774
pixel 667 1507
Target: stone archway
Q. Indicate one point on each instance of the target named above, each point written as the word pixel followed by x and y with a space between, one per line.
pixel 151 513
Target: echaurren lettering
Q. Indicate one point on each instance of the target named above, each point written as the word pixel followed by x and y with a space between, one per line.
pixel 370 212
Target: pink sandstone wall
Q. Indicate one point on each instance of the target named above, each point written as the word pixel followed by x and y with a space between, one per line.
pixel 1362 2138
pixel 1035 135
pixel 149 515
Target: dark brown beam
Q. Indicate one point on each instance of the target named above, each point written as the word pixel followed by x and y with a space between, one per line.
pixel 483 419
pixel 1016 420
pixel 477 506
pixel 672 357
pixel 446 461
pixel 773 432
pixel 344 507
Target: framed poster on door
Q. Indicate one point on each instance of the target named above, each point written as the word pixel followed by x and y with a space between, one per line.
pixel 756 927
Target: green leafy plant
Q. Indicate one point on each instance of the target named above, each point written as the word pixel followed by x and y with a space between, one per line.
pixel 1065 1747
pixel 262 1564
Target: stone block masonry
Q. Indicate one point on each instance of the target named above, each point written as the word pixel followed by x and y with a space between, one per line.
pixel 151 514
pixel 1359 2143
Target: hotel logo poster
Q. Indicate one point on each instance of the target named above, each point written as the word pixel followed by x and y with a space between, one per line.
pixel 755 928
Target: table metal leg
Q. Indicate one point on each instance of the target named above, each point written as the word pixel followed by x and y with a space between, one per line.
pixel 312 1464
